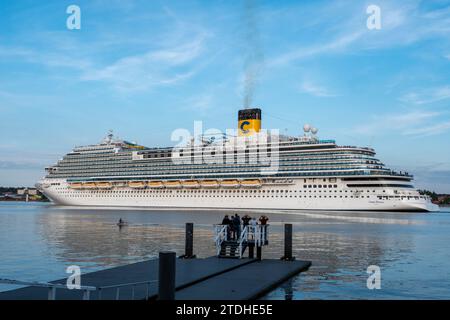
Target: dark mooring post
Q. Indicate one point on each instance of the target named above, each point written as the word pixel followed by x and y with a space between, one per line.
pixel 259 252
pixel 166 284
pixel 251 251
pixel 288 243
pixel 189 242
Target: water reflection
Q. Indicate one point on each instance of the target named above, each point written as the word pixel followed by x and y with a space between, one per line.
pixel 91 236
pixel 332 241
pixel 340 245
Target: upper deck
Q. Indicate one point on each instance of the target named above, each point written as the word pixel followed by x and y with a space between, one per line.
pixel 294 157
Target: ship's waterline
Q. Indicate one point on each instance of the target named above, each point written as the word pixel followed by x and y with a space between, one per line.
pixel 250 171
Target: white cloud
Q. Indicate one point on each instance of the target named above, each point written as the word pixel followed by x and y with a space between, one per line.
pixel 201 102
pixel 49 58
pixel 154 68
pixel 160 59
pixel 403 23
pixel 429 130
pixel 15 52
pixel 315 90
pixel 338 44
pixel 414 123
pixel 425 96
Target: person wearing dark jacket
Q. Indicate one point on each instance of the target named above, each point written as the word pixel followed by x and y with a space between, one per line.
pixel 227 222
pixel 237 226
pixel 245 220
pixel 263 221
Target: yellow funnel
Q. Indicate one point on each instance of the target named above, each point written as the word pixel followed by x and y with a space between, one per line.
pixel 249 121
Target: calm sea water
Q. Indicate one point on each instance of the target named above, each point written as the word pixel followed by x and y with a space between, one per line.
pixel 38 241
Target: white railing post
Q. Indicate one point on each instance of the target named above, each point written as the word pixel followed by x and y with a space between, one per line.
pixel 51 293
pixel 264 234
pixel 132 285
pixel 86 295
pixel 261 235
pixel 257 234
pixel 240 242
pixel 221 235
pixel 244 237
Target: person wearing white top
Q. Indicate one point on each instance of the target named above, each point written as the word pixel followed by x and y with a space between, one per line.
pixel 253 224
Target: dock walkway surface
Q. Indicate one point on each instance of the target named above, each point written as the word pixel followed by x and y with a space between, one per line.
pixel 211 278
pixel 247 282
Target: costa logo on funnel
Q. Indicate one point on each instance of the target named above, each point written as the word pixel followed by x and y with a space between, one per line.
pixel 243 125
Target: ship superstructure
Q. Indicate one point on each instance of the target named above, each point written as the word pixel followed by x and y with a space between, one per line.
pixel 251 170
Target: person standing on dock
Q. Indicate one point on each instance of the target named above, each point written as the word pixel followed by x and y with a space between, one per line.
pixel 253 225
pixel 227 222
pixel 245 220
pixel 263 221
pixel 237 226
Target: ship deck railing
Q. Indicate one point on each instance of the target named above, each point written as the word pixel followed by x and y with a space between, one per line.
pixel 247 175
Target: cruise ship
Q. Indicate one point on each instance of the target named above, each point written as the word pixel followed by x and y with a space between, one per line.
pixel 249 170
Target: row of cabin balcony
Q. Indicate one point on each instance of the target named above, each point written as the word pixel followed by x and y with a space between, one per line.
pixel 127 155
pixel 167 152
pixel 216 165
pixel 291 157
pixel 284 159
pixel 207 169
pixel 282 173
pixel 236 176
pixel 215 168
pixel 117 163
pixel 280 150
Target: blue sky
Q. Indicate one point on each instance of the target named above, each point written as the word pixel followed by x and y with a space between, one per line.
pixel 145 68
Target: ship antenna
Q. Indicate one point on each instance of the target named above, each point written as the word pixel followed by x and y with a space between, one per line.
pixel 110 136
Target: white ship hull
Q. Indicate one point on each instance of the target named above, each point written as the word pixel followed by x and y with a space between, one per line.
pixel 288 197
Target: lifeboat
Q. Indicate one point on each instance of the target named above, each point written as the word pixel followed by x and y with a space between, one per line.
pixel 120 184
pixel 155 184
pixel 229 184
pixel 104 185
pixel 76 185
pixel 255 183
pixel 136 184
pixel 190 184
pixel 89 185
pixel 172 184
pixel 209 184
